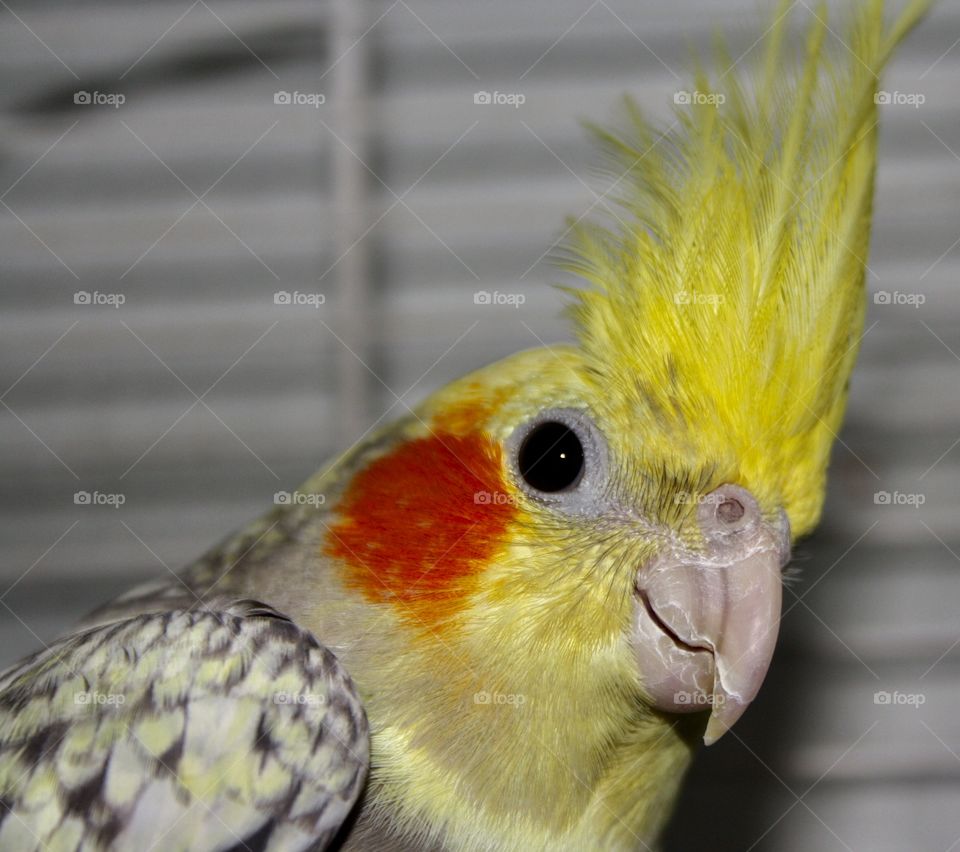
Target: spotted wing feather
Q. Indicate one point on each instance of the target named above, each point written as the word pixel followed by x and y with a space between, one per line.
pixel 175 730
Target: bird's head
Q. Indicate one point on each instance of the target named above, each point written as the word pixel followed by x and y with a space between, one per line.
pixel 553 522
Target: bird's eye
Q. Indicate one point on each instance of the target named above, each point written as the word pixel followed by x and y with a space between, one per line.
pixel 559 458
pixel 551 457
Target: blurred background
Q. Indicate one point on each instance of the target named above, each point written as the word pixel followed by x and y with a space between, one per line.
pixel 234 236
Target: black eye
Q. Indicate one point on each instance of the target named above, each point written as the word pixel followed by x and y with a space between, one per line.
pixel 551 457
pixel 559 459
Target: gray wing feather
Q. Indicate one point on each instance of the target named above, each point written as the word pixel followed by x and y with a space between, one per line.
pixel 200 730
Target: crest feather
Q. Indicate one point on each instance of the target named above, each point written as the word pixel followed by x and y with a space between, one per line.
pixel 728 297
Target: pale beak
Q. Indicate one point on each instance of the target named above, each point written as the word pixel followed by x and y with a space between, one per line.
pixel 707 619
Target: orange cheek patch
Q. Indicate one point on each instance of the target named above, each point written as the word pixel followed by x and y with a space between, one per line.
pixel 412 529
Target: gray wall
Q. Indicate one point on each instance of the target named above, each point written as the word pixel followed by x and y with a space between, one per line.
pixel 94 398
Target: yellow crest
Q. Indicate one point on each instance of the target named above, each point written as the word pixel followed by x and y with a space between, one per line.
pixel 728 299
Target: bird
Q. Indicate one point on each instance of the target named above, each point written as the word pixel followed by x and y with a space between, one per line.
pixel 508 619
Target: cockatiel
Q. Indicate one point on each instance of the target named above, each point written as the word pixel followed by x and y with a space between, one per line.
pixel 550 580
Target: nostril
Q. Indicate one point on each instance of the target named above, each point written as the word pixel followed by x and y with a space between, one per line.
pixel 730 510
pixel 727 510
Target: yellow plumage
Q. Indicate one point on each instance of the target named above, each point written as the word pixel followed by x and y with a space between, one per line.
pixel 734 283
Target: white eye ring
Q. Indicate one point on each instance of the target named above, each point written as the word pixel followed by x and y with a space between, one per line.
pixel 585 495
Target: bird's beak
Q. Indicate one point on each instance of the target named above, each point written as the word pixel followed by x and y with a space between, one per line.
pixel 706 620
